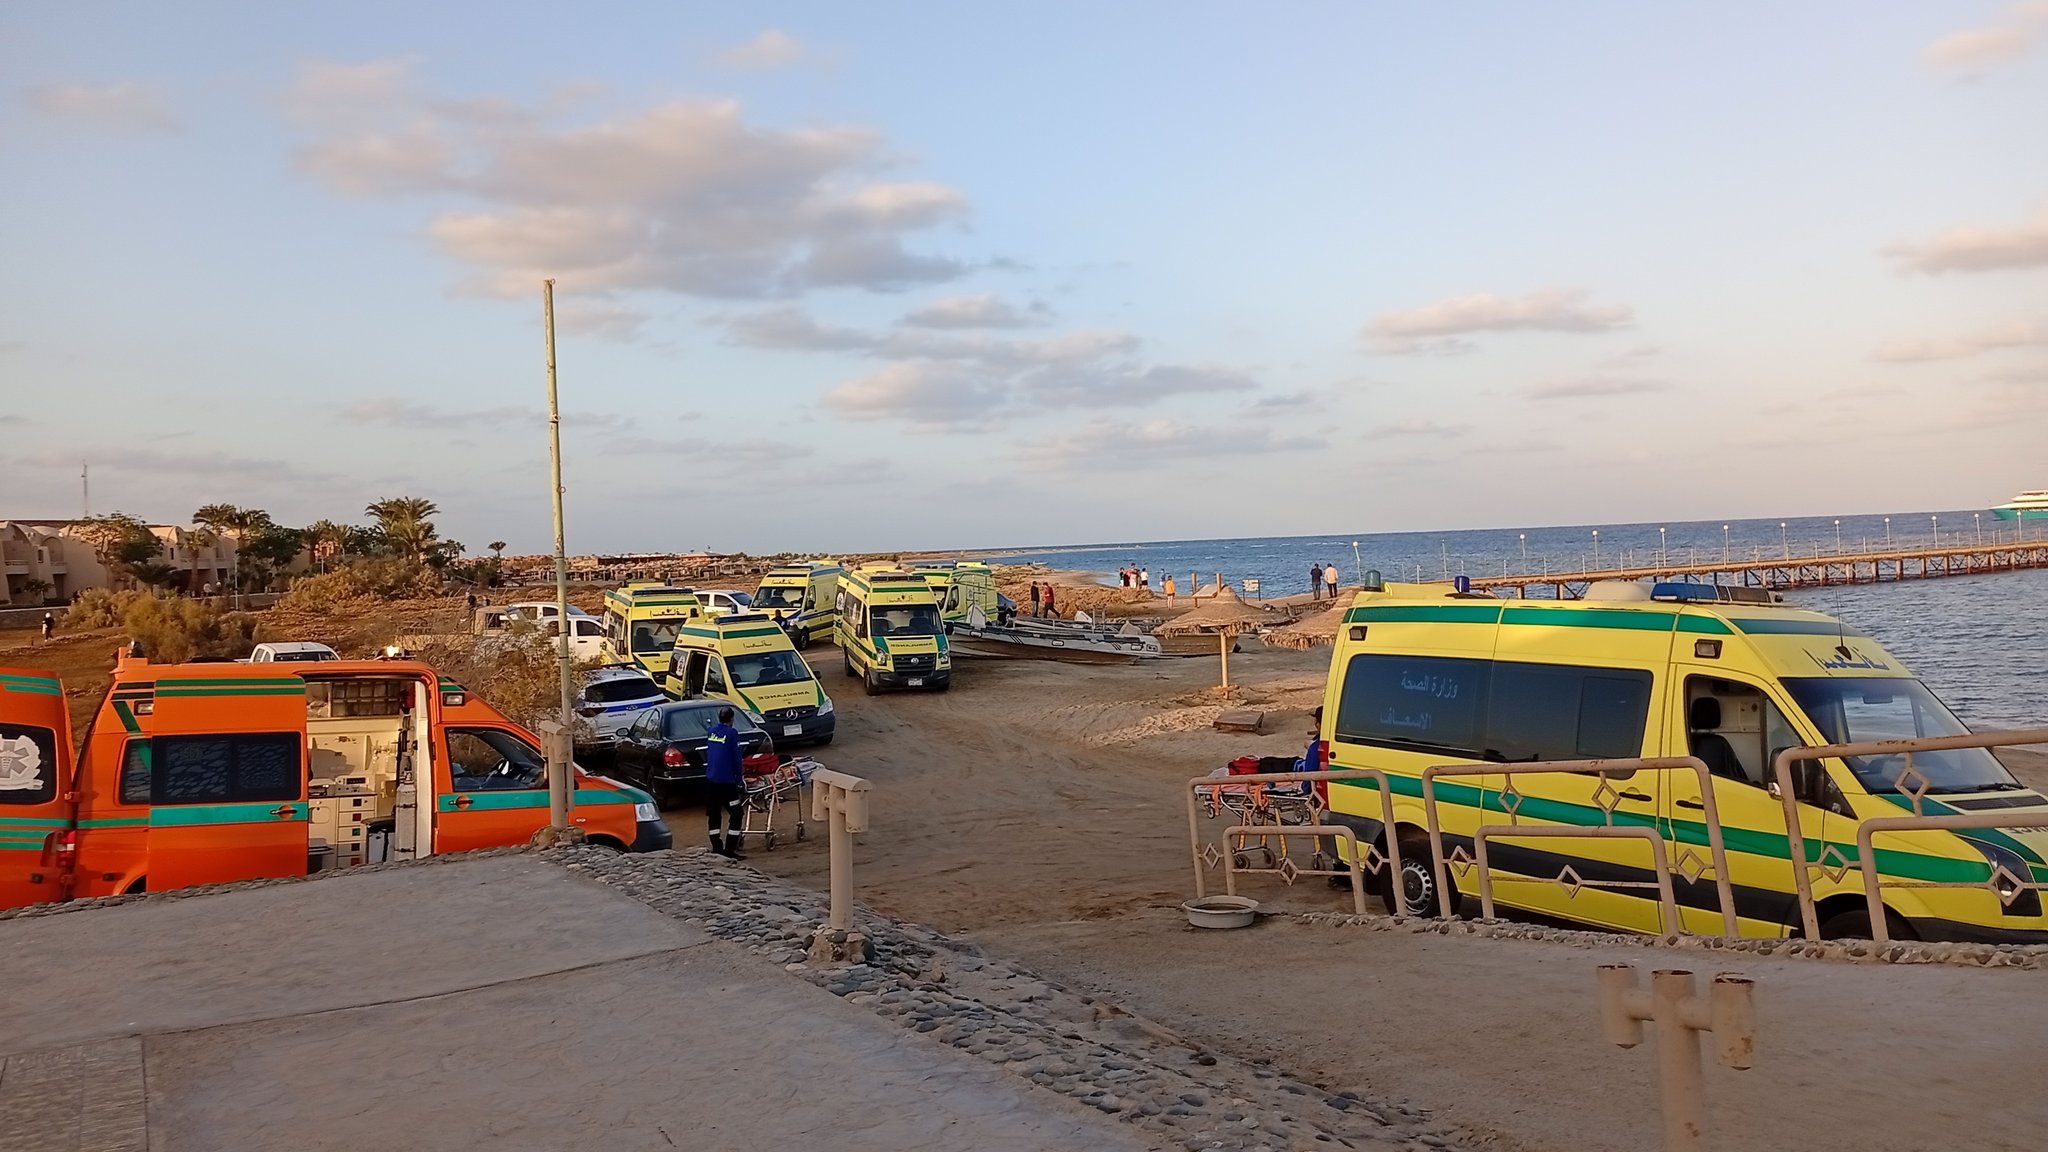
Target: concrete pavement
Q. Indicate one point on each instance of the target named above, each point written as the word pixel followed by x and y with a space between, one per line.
pixel 444 1005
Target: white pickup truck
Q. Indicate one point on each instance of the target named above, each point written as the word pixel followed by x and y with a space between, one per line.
pixel 290 652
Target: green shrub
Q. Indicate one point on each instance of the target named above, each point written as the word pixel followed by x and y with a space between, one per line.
pixel 356 587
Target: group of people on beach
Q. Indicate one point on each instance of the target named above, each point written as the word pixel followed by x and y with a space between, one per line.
pixel 1322 578
pixel 1136 577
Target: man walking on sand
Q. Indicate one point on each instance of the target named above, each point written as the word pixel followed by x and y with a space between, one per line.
pixel 1051 609
pixel 1315 581
pixel 722 784
pixel 49 627
pixel 1330 578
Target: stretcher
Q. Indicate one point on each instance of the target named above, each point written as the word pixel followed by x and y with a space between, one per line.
pixel 764 794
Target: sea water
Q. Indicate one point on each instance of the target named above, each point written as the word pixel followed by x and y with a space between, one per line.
pixel 1980 641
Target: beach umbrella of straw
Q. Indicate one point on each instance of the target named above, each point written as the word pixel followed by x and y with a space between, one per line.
pixel 1322 628
pixel 1226 615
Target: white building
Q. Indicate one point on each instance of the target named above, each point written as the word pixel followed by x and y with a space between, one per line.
pixel 42 560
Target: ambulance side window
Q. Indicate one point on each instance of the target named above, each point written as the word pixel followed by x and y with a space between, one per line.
pixel 714 676
pixel 28 764
pixel 135 772
pixel 218 769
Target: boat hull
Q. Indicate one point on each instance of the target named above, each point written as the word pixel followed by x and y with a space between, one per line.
pixel 2020 513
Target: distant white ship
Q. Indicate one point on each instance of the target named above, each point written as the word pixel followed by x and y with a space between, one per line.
pixel 2025 506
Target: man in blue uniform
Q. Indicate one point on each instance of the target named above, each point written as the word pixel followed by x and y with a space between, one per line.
pixel 722 796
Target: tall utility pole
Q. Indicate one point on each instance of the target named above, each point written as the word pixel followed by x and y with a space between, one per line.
pixel 555 479
pixel 85 490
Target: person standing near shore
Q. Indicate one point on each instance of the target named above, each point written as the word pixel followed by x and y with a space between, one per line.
pixel 1330 578
pixel 1035 594
pixel 1051 609
pixel 1315 581
pixel 1145 580
pixel 1169 588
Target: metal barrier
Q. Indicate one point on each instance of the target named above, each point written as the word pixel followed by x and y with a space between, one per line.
pixel 841 801
pixel 1680 1017
pixel 1873 887
pixel 1913 784
pixel 1365 855
pixel 1572 885
pixel 1606 796
pixel 1230 869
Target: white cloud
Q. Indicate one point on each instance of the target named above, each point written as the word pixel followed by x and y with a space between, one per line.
pixel 394 412
pixel 2015 335
pixel 1107 446
pixel 925 394
pixel 1975 51
pixel 126 109
pixel 1434 327
pixel 1971 249
pixel 986 310
pixel 1117 386
pixel 1595 386
pixel 686 196
pixel 1422 428
pixel 772 49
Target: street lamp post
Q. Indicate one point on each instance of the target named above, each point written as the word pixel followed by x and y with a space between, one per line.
pixel 1979 517
pixel 1724 543
pixel 1596 548
pixel 1785 539
pixel 1838 535
pixel 1525 550
pixel 1357 564
pixel 1887 531
pixel 1934 523
pixel 1660 546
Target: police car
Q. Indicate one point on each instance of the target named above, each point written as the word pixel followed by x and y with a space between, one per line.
pixel 612 698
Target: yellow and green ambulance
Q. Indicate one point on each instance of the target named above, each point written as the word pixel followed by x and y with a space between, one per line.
pixel 889 631
pixel 642 620
pixel 748 659
pixel 962 585
pixel 802 596
pixel 1422 675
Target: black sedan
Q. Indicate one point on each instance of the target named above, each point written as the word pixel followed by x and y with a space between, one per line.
pixel 663 749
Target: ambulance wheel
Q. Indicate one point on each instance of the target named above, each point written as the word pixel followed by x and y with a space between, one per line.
pixel 869 685
pixel 1421 887
pixel 1856 926
pixel 849 664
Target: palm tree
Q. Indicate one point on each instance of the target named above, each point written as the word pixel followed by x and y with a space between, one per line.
pixel 237 523
pixel 197 539
pixel 497 549
pixel 326 540
pixel 407 521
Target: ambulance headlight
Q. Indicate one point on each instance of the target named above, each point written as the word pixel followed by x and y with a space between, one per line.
pixel 945 659
pixel 825 709
pixel 754 716
pixel 647 813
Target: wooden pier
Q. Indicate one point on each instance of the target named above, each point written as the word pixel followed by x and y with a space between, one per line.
pixel 1819 570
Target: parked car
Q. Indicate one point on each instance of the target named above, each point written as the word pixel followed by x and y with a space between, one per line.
pixel 725 601
pixel 612 698
pixel 664 746
pixel 291 652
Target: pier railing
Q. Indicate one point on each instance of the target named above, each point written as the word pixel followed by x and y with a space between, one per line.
pixel 1789 570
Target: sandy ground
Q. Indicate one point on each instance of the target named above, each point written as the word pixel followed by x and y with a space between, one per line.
pixel 1036 808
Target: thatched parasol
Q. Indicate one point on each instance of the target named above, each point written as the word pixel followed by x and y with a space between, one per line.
pixel 1322 628
pixel 1227 615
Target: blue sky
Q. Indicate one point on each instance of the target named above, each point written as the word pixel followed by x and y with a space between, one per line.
pixel 921 276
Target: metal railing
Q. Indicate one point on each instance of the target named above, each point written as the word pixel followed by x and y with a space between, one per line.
pixel 1911 783
pixel 1366 856
pixel 1318 831
pixel 1606 796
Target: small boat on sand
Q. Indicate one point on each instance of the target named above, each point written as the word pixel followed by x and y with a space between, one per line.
pixel 1067 641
